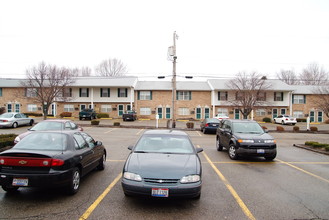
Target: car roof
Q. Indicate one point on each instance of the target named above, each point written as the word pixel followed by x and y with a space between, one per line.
pixel 56 120
pixel 240 120
pixel 165 132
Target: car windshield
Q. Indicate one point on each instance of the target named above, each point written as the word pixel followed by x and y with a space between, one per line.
pixel 87 110
pixel 43 141
pixel 213 120
pixel 245 127
pixel 6 115
pixel 47 126
pixel 164 144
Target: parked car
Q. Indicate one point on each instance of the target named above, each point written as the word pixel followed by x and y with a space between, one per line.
pixel 13 119
pixel 285 119
pixel 129 116
pixel 50 125
pixel 87 114
pixel 51 159
pixel 245 138
pixel 221 116
pixel 209 125
pixel 163 163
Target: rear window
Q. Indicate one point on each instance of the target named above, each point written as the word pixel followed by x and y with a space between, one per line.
pixel 48 126
pixel 43 141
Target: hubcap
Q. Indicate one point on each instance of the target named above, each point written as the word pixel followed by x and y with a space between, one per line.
pixel 76 180
pixel 232 151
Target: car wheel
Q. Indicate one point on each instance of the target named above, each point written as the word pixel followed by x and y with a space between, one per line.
pixel 80 118
pixel 15 125
pixel 270 157
pixel 197 197
pixel 232 152
pixel 218 145
pixel 204 131
pixel 31 122
pixel 282 122
pixel 10 189
pixel 74 182
pixel 293 124
pixel 102 161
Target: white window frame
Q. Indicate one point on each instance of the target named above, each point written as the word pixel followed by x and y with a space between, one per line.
pixel 32 107
pixel 31 92
pixel 298 99
pixel 68 108
pixel 261 112
pixel 106 108
pixel 184 95
pixel 183 111
pixel 145 111
pixel 223 111
pixel 298 114
pixel 145 95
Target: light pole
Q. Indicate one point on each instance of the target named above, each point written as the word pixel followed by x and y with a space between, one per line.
pixel 174 82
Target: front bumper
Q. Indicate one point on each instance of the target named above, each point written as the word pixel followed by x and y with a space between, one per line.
pixel 189 190
pixel 259 150
pixel 58 178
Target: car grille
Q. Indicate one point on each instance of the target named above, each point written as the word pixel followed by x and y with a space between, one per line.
pixel 161 181
pixel 261 146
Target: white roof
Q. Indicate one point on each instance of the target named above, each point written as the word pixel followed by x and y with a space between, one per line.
pixel 167 85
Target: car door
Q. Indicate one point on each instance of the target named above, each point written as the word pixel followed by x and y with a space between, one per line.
pixel 98 151
pixel 85 153
pixel 19 119
pixel 225 133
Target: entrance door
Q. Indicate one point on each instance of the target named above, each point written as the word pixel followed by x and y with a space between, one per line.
pixel 160 113
pixel 274 113
pixel 312 116
pixel 53 109
pixel 198 113
pixel 120 110
pixel 167 112
pixel 128 107
pixel 206 113
pixel 320 116
pixel 283 111
pixel 236 114
pixel 82 106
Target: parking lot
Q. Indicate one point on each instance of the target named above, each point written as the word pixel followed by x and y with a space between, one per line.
pixel 293 186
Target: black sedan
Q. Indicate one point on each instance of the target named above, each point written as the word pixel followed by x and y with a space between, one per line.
pixel 51 159
pixel 209 125
pixel 163 163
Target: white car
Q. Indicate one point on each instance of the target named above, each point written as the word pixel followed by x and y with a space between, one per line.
pixel 13 119
pixel 285 119
pixel 221 117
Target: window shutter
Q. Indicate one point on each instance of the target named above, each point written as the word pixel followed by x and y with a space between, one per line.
pixel 150 95
pixel 138 95
pixel 218 96
pixel 281 96
pixel 176 95
pixel 293 98
pixel 101 92
pixel 70 92
pixel 118 92
pixel 226 95
pixel 108 92
pixel 304 99
pixel 79 92
pixel 87 92
pixel 274 96
pixel 190 95
pixel 126 92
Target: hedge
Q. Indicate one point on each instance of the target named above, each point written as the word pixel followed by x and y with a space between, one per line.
pixel 103 115
pixel 7 140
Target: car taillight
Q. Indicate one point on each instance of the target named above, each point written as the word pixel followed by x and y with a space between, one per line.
pixel 207 125
pixel 4 120
pixel 30 162
pixel 287 119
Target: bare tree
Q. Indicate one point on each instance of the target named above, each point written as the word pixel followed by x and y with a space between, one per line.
pixel 111 67
pixel 323 99
pixel 250 91
pixel 288 76
pixel 47 83
pixel 84 71
pixel 313 74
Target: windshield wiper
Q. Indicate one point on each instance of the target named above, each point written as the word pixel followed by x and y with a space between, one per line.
pixel 140 151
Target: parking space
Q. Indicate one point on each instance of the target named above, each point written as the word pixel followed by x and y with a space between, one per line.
pixel 293 186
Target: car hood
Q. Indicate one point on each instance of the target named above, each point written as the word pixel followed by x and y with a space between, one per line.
pixel 263 136
pixel 161 165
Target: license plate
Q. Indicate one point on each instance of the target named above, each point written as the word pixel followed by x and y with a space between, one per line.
pixel 20 182
pixel 160 192
pixel 260 151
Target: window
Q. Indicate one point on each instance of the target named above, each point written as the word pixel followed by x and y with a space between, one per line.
pixel 222 111
pixel 79 141
pixel 84 92
pixel 122 92
pixel 278 96
pixel 298 99
pixel 222 96
pixel 106 108
pixel 261 96
pixel 0 92
pixel 298 114
pixel 9 108
pixel 68 108
pixel 17 107
pixel 260 112
pixel 31 92
pixel 145 111
pixel 183 111
pixel 67 92
pixel 184 95
pixel 144 95
pixel 105 92
pixel 239 96
pixel 32 107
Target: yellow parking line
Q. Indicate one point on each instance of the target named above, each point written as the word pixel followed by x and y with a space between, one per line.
pixel 110 130
pixel 100 198
pixel 230 188
pixel 304 171
pixel 198 132
pixel 115 160
pixel 139 131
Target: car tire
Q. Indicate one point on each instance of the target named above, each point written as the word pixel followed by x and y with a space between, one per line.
pixel 80 118
pixel 293 124
pixel 218 145
pixel 10 189
pixel 282 122
pixel 197 197
pixel 232 152
pixel 31 122
pixel 270 157
pixel 102 161
pixel 15 125
pixel 74 185
pixel 204 131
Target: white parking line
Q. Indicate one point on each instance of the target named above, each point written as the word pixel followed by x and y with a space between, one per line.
pixel 110 130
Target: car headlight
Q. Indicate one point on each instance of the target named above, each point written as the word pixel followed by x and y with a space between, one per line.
pixel 132 176
pixel 245 141
pixel 270 141
pixel 190 179
pixel 17 139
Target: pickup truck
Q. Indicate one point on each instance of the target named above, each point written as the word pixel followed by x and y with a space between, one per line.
pixel 129 116
pixel 87 114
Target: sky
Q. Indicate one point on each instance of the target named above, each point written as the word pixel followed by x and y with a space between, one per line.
pixel 215 38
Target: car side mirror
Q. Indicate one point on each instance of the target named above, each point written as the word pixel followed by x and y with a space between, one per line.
pixel 199 150
pixel 98 143
pixel 130 147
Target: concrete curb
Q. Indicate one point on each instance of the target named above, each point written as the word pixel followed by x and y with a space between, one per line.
pixel 311 149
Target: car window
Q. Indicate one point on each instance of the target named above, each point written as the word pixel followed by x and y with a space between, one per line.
pixel 164 144
pixel 245 127
pixel 18 116
pixel 47 126
pixel 67 126
pixel 226 125
pixel 73 126
pixel 80 142
pixel 43 141
pixel 6 115
pixel 89 139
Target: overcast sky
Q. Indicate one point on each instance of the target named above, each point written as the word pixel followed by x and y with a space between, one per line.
pixel 216 38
